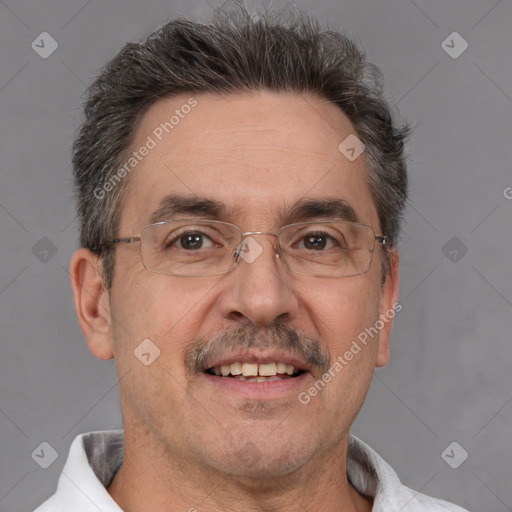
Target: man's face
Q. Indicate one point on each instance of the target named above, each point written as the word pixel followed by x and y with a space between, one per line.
pixel 258 155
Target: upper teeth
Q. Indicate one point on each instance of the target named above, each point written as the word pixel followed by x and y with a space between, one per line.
pixel 254 369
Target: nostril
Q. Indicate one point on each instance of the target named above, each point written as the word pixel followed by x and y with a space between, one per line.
pixel 236 315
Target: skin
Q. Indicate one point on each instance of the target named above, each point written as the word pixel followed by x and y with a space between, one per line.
pixel 183 436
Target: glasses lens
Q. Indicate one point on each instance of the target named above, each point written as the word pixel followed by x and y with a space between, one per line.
pixel 189 249
pixel 331 249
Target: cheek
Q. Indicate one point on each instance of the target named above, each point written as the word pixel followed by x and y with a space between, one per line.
pixel 167 310
pixel 341 309
pixel 341 312
pixel 154 319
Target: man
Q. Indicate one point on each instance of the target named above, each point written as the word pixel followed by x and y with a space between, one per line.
pixel 240 186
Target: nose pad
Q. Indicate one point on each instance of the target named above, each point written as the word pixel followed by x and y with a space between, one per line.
pixel 250 249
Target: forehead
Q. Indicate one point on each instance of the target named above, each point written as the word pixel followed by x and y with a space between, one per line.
pixel 257 153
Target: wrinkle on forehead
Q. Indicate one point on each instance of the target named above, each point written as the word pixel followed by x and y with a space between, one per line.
pixel 245 114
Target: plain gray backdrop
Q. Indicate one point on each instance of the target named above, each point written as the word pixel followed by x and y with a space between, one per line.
pixel 449 378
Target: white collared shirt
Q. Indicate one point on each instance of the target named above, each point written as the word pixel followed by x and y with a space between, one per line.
pixel 95 457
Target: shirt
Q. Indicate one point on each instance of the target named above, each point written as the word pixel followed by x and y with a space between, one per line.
pixel 95 457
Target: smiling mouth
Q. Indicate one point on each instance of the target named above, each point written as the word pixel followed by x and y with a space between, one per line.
pixel 254 372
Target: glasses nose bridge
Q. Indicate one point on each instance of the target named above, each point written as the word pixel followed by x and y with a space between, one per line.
pixel 245 234
pixel 248 233
pixel 251 233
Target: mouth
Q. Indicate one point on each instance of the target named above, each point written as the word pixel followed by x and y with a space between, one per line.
pixel 255 372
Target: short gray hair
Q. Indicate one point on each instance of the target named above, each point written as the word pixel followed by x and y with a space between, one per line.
pixel 235 52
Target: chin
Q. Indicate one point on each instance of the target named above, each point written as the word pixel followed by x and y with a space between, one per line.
pixel 258 458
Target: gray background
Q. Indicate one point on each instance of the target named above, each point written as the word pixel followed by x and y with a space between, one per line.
pixel 449 377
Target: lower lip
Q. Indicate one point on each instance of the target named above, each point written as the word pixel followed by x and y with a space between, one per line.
pixel 259 390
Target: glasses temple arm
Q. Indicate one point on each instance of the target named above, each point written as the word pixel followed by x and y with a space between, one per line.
pixel 127 240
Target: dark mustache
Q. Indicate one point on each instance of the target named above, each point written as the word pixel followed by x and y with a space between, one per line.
pixel 203 351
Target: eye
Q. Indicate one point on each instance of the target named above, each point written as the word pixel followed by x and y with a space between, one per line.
pixel 317 241
pixel 192 240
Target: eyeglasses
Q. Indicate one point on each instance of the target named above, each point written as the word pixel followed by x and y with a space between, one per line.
pixel 200 248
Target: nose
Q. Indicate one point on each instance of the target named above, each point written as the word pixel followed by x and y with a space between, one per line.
pixel 259 288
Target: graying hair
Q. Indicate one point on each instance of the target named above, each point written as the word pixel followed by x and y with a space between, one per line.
pixel 235 52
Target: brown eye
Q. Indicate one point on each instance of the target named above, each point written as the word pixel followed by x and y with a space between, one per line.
pixel 191 241
pixel 315 242
pixel 318 242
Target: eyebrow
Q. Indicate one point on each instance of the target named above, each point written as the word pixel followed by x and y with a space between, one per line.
pixel 191 205
pixel 322 208
pixel 305 209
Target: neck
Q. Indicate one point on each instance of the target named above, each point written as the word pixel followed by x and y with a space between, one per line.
pixel 151 478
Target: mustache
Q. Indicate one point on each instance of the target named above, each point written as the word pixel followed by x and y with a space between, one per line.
pixel 204 351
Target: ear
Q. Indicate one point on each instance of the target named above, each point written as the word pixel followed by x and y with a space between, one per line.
pixel 91 302
pixel 389 306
